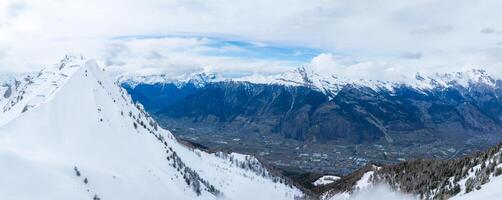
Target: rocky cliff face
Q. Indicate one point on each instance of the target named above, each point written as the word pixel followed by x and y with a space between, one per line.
pixel 11 84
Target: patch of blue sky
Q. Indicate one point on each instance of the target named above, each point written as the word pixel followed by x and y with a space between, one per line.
pixel 243 49
pixel 256 50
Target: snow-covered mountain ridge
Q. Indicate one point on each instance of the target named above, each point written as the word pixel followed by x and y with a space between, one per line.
pixel 73 133
pixel 329 84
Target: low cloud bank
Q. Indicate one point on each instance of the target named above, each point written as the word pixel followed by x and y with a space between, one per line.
pixel 380 192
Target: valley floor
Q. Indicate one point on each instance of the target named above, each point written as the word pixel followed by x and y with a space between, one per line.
pixel 334 157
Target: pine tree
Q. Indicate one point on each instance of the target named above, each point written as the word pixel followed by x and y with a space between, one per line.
pixel 498 171
pixel 76 171
pixel 469 184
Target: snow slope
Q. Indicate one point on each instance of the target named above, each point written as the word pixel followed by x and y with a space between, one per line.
pixel 76 135
pixel 490 190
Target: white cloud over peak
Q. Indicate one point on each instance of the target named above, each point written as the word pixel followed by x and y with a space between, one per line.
pixel 178 56
pixel 400 69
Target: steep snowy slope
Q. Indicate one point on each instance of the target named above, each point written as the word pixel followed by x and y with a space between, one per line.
pixel 73 134
pixel 490 190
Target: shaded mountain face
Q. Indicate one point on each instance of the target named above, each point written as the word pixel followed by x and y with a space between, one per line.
pixel 315 109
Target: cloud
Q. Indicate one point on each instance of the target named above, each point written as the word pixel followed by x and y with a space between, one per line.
pixel 181 56
pixel 9 11
pixel 354 69
pixel 35 33
pixel 112 52
pixel 487 30
pixel 434 29
pixel 380 192
pixel 416 55
pixel 401 69
pixel 15 8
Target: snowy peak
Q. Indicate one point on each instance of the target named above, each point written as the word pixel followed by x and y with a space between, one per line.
pixel 35 91
pixel 464 79
pixel 305 76
pixel 331 84
pixel 73 133
pixel 474 76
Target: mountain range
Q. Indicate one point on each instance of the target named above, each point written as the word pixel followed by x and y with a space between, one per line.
pixel 309 106
pixel 451 109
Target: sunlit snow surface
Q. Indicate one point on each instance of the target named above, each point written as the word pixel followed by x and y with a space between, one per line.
pixel 490 190
pixel 324 180
pixel 75 116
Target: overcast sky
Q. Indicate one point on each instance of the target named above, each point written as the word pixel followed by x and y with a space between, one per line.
pixel 367 39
